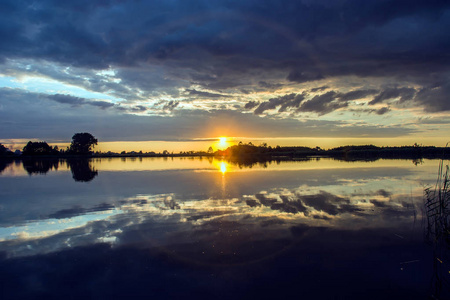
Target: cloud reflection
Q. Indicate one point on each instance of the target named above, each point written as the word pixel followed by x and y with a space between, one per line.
pixel 160 220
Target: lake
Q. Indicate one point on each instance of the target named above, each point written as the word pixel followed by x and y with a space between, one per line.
pixel 169 228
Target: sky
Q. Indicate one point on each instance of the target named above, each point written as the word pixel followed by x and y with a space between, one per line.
pixel 283 72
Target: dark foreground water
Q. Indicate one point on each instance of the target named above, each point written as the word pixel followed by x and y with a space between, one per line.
pixel 159 228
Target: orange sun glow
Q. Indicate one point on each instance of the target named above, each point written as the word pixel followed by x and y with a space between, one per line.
pixel 222 142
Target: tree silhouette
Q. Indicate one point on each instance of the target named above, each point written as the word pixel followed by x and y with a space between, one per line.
pixel 39 148
pixel 4 151
pixel 82 143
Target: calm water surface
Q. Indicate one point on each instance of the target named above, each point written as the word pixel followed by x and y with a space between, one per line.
pixel 204 228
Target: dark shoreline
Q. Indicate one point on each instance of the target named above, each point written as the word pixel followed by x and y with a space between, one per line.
pixel 263 153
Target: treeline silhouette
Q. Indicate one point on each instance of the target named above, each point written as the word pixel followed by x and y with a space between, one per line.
pixel 40 157
pixel 5 152
pixel 367 152
pixel 83 143
pixel 39 149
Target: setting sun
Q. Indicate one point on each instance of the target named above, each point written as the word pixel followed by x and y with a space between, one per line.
pixel 222 143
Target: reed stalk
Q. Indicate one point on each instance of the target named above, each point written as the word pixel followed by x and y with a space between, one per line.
pixel 436 201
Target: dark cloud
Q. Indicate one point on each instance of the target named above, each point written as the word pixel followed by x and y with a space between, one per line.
pixel 434 120
pixel 270 86
pixel 320 217
pixel 67 99
pixel 101 104
pixel 138 108
pixel 319 89
pixel 205 94
pixel 322 104
pixel 300 77
pixel 435 99
pixel 382 110
pixel 251 104
pixel 77 101
pixel 403 93
pixel 171 105
pixel 131 109
pixel 285 102
pixel 307 41
pixel 252 203
pixel 357 94
pixel 272 222
pixel 379 204
pixel 294 102
pixel 384 193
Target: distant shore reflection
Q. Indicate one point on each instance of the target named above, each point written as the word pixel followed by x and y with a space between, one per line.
pixel 86 169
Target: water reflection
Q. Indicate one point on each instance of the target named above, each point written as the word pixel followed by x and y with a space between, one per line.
pixel 251 161
pixel 307 227
pixel 82 169
pixel 40 166
pixel 223 167
pixel 4 163
pixel 345 198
